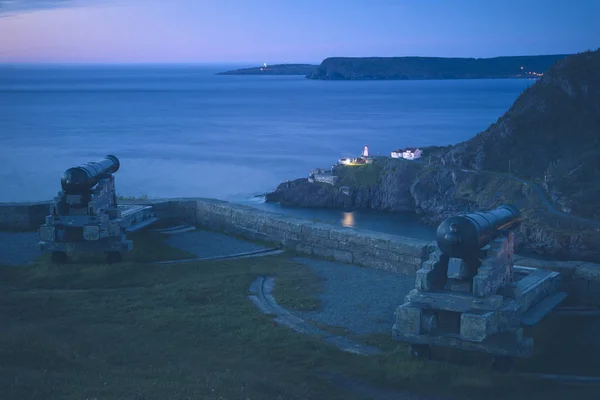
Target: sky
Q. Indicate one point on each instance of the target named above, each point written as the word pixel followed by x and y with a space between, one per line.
pixel 273 31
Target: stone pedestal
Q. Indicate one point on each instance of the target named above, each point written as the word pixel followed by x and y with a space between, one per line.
pixel 452 308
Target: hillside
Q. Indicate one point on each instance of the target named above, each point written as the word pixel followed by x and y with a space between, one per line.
pixel 402 68
pixel 542 155
pixel 278 69
pixel 551 135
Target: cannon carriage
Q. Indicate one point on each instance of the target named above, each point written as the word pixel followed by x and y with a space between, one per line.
pixel 469 295
pixel 85 216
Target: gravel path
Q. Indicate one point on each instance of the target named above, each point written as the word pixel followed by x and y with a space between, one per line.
pixel 207 244
pixel 261 295
pixel 19 248
pixel 362 300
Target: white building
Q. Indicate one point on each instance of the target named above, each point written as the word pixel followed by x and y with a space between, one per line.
pixel 410 153
pixel 365 152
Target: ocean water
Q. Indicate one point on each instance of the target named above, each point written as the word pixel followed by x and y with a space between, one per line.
pixel 184 131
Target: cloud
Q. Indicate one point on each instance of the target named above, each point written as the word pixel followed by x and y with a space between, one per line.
pixel 13 7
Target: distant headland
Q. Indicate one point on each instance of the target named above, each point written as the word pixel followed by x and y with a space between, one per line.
pixel 417 68
pixel 412 68
pixel 278 69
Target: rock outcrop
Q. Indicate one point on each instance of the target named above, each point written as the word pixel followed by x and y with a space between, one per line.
pixel 384 185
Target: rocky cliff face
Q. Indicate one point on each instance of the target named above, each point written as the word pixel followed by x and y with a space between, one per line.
pixel 550 138
pixel 399 68
pixel 383 186
pixel 551 135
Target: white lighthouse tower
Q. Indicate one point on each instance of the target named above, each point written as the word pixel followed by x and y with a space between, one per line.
pixel 365 152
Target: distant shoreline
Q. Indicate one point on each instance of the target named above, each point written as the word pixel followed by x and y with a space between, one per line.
pixel 412 68
pixel 279 69
pixel 429 68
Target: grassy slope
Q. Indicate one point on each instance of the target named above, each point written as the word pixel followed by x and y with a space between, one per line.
pixel 358 176
pixel 146 331
pixel 550 132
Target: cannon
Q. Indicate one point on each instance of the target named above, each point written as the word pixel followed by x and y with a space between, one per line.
pixel 85 216
pixel 462 236
pixel 79 180
pixel 469 295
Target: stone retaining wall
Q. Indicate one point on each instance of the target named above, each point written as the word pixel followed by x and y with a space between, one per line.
pixel 581 279
pixel 370 249
pixel 23 216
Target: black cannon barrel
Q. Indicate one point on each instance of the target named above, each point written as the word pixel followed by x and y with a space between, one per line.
pixel 462 236
pixel 84 177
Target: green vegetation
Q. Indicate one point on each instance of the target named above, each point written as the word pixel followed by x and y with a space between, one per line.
pixel 434 153
pixel 148 331
pixel 431 67
pixel 358 176
pixel 299 293
pixel 549 135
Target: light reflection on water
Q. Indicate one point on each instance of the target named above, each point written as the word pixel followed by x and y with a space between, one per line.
pixel 348 220
pixel 403 224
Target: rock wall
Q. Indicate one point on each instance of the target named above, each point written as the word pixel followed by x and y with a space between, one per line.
pixel 370 249
pixel 323 178
pixel 23 216
pixel 580 279
pixel 366 248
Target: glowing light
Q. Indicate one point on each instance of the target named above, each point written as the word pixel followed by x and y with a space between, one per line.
pixel 348 220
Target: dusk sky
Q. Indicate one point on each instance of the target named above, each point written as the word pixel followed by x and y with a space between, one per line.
pixel 251 31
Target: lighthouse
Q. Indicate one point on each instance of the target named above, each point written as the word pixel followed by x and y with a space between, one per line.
pixel 365 152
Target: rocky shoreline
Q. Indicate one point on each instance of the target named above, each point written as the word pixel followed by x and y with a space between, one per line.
pixel 542 155
pixel 435 193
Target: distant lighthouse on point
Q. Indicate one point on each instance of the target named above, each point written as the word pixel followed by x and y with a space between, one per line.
pixel 365 152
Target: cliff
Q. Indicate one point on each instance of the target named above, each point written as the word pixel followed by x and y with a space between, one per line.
pixel 542 155
pixel 279 69
pixel 550 135
pixel 402 68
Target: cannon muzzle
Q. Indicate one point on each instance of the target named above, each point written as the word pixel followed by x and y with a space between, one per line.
pixel 80 179
pixel 462 236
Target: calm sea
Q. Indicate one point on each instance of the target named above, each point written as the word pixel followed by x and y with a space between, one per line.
pixel 184 131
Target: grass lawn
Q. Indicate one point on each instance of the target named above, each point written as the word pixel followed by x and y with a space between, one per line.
pixel 138 330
